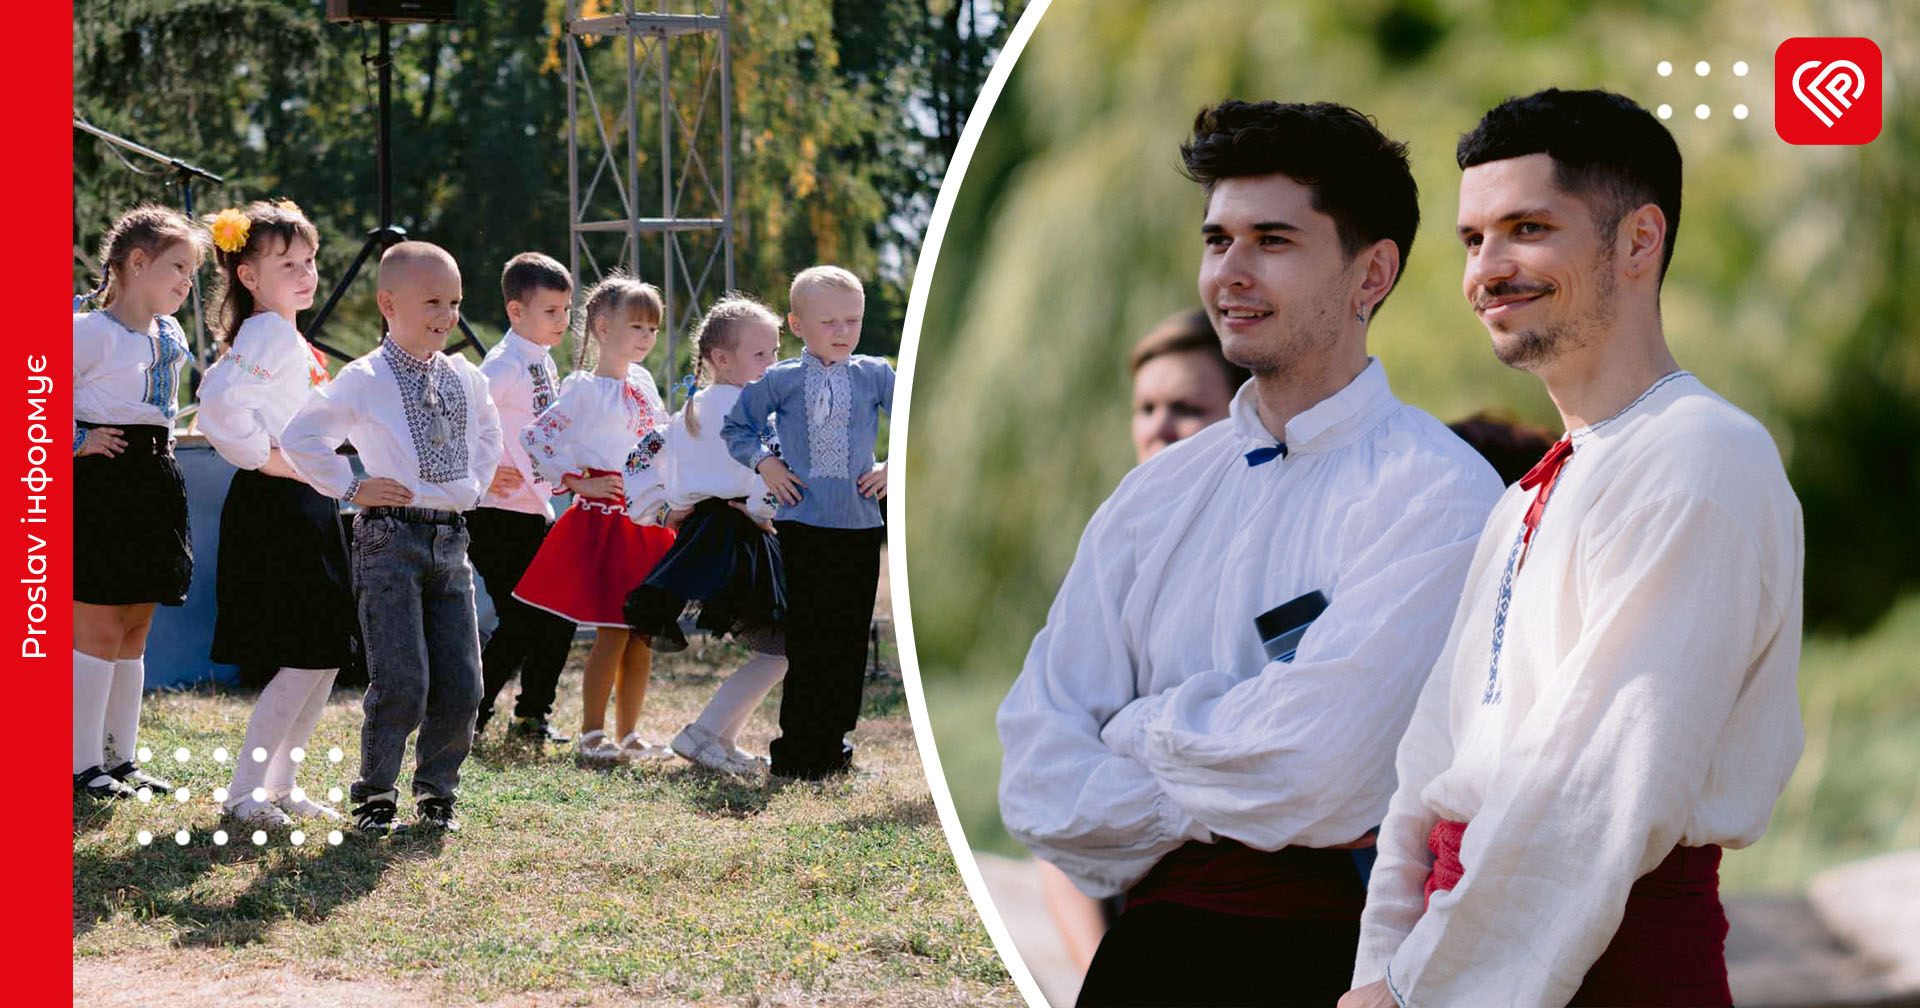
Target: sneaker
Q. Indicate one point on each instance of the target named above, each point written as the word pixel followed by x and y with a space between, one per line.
pixel 297 803
pixel 535 729
pixel 130 774
pixel 374 816
pixel 639 750
pixel 259 813
pixel 435 813
pixel 593 747
pixel 701 746
pixel 96 783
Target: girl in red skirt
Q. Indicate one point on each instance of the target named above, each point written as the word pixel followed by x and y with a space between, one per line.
pixel 603 430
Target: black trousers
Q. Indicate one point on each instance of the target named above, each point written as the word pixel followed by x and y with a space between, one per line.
pixel 1164 954
pixel 528 641
pixel 832 575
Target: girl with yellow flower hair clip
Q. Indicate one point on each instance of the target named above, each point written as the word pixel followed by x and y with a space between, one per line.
pixel 282 592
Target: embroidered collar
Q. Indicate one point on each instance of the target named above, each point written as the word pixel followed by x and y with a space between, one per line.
pixel 1327 424
pixel 807 357
pixel 1582 433
pixel 401 360
pixel 525 348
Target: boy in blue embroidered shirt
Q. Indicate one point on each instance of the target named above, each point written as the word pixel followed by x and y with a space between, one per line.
pixel 826 406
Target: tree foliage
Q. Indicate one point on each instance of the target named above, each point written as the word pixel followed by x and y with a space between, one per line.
pixel 836 155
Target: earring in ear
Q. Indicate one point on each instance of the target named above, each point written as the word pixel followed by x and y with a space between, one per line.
pixel 1361 315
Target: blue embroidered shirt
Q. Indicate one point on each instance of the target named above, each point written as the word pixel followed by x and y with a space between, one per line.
pixel 828 417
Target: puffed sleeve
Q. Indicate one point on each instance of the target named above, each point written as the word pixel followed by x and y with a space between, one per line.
pixel 551 440
pixel 1099 816
pixel 239 384
pixel 312 439
pixel 484 456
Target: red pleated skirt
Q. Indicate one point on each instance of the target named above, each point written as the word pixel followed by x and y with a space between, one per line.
pixel 1671 946
pixel 588 563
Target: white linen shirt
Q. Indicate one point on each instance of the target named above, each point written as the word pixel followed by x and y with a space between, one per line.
pixel 1148 714
pixel 1646 699
pixel 249 394
pixel 523 382
pixel 598 423
pixel 125 377
pixel 364 404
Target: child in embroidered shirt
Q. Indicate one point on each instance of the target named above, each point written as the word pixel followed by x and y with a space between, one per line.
pixel 827 407
pixel 515 516
pixel 726 555
pixel 429 439
pixel 284 598
pixel 603 430
pixel 131 549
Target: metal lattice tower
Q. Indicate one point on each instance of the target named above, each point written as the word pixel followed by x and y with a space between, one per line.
pixel 641 189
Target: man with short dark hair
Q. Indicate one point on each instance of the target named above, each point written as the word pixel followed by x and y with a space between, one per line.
pixel 1174 734
pixel 1616 702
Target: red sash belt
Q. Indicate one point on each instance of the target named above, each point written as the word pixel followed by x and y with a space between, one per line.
pixel 1229 877
pixel 1671 945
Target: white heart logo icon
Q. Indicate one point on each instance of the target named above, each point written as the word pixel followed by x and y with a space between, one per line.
pixel 1832 89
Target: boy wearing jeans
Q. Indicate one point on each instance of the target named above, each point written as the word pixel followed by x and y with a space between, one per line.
pixel 429 438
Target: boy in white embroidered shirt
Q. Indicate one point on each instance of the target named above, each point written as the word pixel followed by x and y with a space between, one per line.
pixel 429 439
pixel 515 515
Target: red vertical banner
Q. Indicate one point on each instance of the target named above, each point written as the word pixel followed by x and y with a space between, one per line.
pixel 39 507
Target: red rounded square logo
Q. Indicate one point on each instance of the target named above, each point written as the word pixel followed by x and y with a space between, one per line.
pixel 1826 90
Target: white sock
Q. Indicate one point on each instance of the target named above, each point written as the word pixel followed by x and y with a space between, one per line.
pixel 273 715
pixel 122 736
pixel 92 681
pixel 281 767
pixel 736 698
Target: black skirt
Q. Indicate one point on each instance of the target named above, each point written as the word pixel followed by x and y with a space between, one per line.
pixel 722 560
pixel 131 544
pixel 283 586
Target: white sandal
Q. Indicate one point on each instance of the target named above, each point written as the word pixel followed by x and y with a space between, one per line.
pixel 593 747
pixel 639 750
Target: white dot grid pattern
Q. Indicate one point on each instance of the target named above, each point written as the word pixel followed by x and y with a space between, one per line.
pixel 1739 68
pixel 1701 111
pixel 1664 69
pixel 220 795
pixel 1664 111
pixel 1702 68
pixel 1739 111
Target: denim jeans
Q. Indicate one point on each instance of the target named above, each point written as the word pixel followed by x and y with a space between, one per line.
pixel 414 591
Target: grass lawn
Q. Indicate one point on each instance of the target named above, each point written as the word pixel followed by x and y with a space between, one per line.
pixel 657 884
